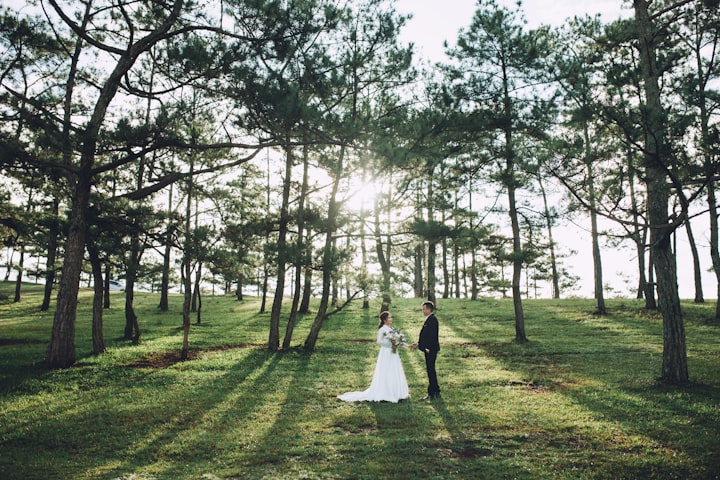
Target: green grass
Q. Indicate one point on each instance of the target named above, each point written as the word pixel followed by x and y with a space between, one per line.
pixel 579 401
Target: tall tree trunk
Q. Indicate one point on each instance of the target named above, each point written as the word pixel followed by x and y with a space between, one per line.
pixel 266 253
pixel 432 241
pixel 456 253
pixel 699 298
pixel 132 328
pixel 164 305
pixel 300 262
pixel 364 212
pixel 196 287
pixel 714 239
pixel 335 273
pixel 274 336
pixel 520 335
pixel 98 338
pixel 444 258
pixel 198 316
pixel 383 260
pixel 106 283
pixel 61 350
pixel 307 276
pixel 511 184
pixel 52 247
pixel 186 269
pixel 650 303
pixel 639 232
pixel 239 288
pixel 445 270
pixel 595 234
pixel 553 259
pixel 20 270
pixel 474 280
pixel 419 270
pixel 328 258
pixel 656 160
pixel 419 261
pixel 265 278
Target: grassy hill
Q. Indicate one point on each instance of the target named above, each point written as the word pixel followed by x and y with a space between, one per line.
pixel 579 401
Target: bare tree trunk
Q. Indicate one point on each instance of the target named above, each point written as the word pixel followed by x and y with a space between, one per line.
pixel 520 335
pixel 714 240
pixel 106 283
pixel 53 235
pixel 364 213
pixel 334 280
pixel 432 241
pixel 597 258
pixel 419 269
pixel 328 258
pixel 187 270
pixel 198 317
pixel 300 262
pixel 274 336
pixel 307 274
pixel 61 350
pixel 20 270
pixel 657 156
pixel 164 305
pixel 196 287
pixel 132 328
pixel 553 259
pixel 699 298
pixel 419 261
pixel 638 233
pixel 98 338
pixel 383 260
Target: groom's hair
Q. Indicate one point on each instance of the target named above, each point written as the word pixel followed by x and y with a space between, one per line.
pixel 429 305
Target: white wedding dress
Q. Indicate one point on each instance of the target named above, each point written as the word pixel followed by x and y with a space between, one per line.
pixel 388 383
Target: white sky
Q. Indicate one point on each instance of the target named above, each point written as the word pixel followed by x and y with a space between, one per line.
pixel 435 21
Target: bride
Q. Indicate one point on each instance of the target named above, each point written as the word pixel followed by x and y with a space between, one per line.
pixel 388 383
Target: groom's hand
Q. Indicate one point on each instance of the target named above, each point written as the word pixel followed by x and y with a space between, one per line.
pixel 414 345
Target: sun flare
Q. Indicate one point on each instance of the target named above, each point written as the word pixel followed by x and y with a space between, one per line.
pixel 362 193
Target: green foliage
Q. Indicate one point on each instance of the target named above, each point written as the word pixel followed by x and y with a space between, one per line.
pixel 579 401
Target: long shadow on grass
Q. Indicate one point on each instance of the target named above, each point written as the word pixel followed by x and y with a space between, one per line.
pixel 608 364
pixel 167 417
pixel 228 405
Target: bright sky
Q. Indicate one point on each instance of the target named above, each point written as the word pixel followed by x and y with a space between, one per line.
pixel 435 21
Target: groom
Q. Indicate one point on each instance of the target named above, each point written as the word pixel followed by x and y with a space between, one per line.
pixel 429 344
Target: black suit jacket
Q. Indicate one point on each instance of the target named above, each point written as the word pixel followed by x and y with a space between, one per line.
pixel 429 335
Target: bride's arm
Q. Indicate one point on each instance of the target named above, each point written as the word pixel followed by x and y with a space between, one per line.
pixel 382 339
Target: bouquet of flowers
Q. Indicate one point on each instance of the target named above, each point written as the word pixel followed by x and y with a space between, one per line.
pixel 397 338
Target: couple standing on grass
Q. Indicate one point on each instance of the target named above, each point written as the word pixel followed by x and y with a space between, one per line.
pixel 389 383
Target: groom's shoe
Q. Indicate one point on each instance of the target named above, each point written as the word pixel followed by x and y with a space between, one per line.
pixel 431 397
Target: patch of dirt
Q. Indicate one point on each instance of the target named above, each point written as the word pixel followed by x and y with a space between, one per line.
pixel 168 359
pixel 534 387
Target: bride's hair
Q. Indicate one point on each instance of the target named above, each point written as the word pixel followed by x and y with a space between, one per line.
pixel 383 317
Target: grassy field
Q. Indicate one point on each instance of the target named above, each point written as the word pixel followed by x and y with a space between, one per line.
pixel 579 401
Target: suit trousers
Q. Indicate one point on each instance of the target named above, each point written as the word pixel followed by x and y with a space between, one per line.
pixel 433 387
